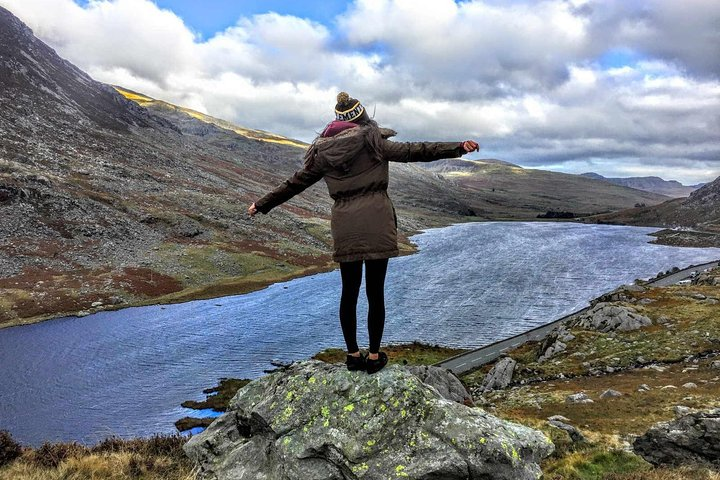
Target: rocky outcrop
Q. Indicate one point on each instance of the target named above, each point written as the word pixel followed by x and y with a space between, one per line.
pixel 444 381
pixel 500 375
pixel 317 421
pixel 690 439
pixel 624 293
pixel 608 317
pixel 556 342
pixel 711 277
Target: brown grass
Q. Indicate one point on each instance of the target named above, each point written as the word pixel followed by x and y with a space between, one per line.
pixel 156 458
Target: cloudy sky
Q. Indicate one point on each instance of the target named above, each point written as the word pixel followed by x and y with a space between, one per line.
pixel 619 87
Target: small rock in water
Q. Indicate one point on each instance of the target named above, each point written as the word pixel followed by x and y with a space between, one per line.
pixel 82 313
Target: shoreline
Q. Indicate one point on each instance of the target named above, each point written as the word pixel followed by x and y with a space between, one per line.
pixel 231 286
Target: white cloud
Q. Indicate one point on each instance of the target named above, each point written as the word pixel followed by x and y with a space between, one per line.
pixel 526 79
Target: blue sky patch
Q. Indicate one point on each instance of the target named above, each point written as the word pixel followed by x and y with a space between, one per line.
pixel 212 16
pixel 618 58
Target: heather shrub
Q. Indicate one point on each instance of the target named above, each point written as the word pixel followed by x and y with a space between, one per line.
pixel 9 448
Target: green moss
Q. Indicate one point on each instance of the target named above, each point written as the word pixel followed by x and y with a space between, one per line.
pixel 415 353
pixel 596 465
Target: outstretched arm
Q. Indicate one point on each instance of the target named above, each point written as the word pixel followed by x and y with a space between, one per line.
pixel 426 151
pixel 300 180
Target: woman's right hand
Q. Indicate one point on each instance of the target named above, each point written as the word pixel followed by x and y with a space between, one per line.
pixel 252 210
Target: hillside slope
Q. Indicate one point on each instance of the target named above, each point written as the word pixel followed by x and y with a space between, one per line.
pixel 670 188
pixel 497 189
pixel 695 221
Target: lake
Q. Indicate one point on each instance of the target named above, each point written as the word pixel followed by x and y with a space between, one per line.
pixel 126 372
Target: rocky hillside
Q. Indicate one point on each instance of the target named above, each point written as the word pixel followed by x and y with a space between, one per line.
pixel 695 220
pixel 498 189
pixel 641 355
pixel 670 188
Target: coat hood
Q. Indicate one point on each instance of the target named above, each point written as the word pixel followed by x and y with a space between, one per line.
pixel 341 149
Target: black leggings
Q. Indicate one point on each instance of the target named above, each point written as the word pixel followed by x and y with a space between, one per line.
pixel 351 273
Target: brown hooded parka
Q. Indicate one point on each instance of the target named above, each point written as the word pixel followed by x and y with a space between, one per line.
pixel 354 164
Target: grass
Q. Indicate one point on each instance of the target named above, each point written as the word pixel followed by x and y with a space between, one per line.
pixel 155 458
pixel 415 353
pixel 594 464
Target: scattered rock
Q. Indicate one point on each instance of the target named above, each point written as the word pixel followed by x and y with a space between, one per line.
pixel 715 364
pixel 500 375
pixel 610 393
pixel 690 385
pixel 644 388
pixel 691 439
pixel 607 317
pixel 657 368
pixel 554 343
pixel 303 423
pixel 668 387
pixel 681 410
pixel 575 434
pixel 96 304
pixel 558 418
pixel 578 398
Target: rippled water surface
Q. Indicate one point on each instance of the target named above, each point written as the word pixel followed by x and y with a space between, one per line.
pixel 126 372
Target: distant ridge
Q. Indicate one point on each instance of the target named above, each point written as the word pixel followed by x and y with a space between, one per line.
pixel 670 188
pixel 701 210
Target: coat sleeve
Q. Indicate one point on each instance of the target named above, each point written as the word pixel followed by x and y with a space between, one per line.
pixel 299 181
pixel 420 151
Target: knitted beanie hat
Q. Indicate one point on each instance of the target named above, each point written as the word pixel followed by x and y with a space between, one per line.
pixel 349 109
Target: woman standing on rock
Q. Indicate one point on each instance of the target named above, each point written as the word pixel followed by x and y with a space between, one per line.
pixel 352 155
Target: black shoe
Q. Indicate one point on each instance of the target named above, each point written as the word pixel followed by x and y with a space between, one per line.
pixel 373 366
pixel 355 363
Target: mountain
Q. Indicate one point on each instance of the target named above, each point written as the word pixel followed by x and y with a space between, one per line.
pixel 498 189
pixel 670 188
pixel 109 197
pixel 692 221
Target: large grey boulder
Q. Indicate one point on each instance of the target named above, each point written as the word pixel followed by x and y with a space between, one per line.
pixel 317 421
pixel 608 317
pixel 500 375
pixel 444 381
pixel 690 439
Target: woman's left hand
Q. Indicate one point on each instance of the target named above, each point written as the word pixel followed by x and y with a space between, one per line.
pixel 252 210
pixel 471 146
